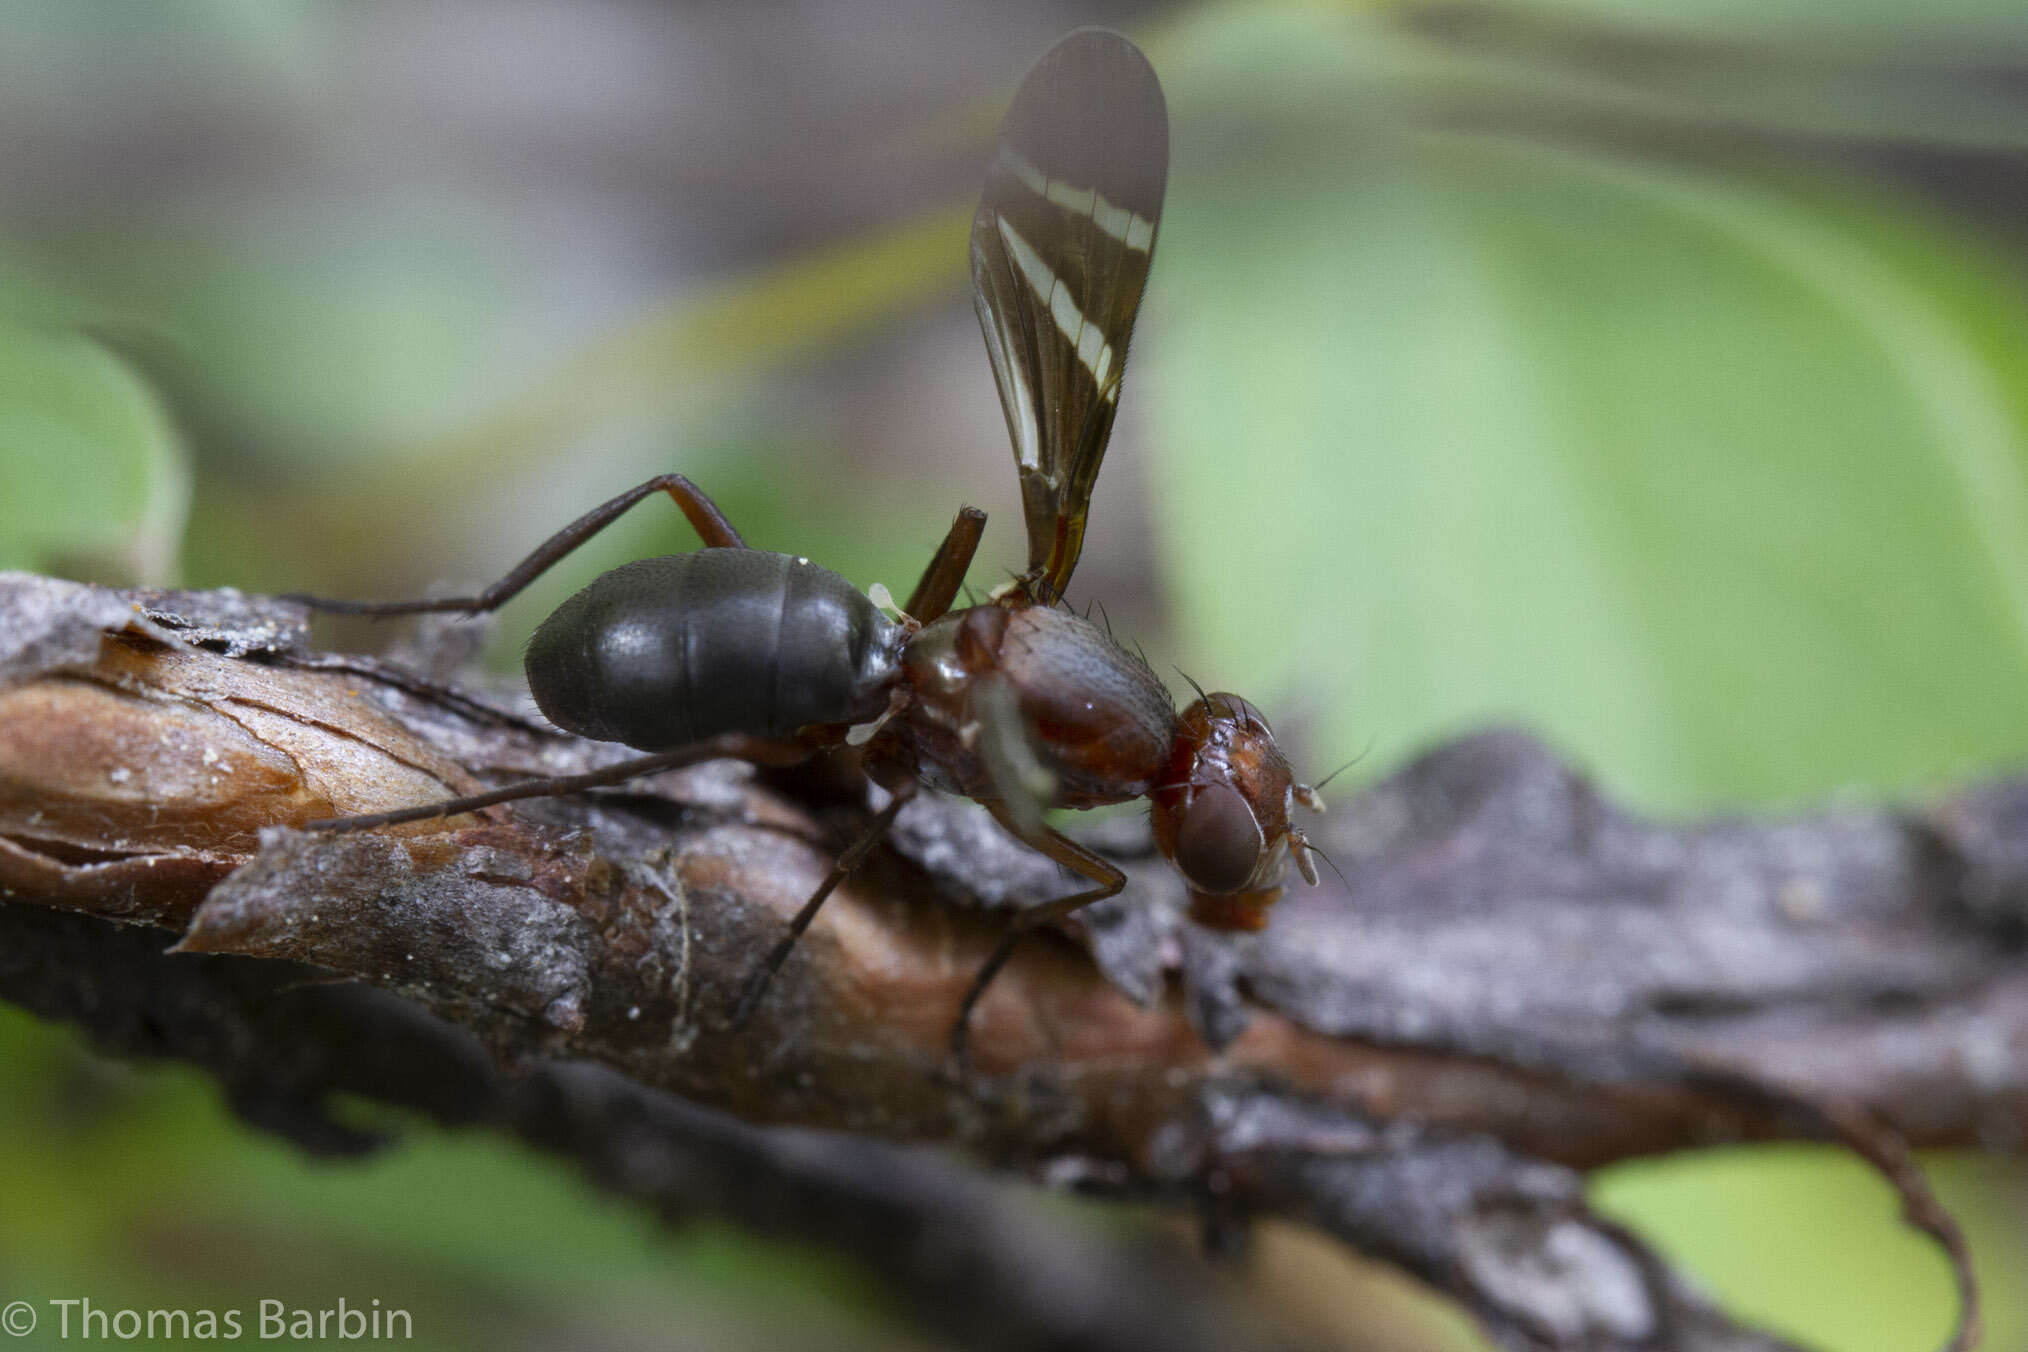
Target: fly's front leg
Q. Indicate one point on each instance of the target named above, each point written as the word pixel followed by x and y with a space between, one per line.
pixel 1109 879
pixel 703 514
pixel 727 746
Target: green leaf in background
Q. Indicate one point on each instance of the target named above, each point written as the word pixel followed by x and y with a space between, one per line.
pixel 92 478
pixel 1713 483
pixel 1807 1241
pixel 332 351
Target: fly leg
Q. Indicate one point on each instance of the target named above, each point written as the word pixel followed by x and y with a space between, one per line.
pixel 710 524
pixel 853 857
pixel 946 572
pixel 1109 879
pixel 731 745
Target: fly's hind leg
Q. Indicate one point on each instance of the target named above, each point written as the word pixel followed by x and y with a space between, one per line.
pixel 1109 879
pixel 853 857
pixel 703 514
pixel 727 746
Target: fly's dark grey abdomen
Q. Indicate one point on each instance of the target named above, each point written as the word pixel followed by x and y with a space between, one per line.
pixel 668 651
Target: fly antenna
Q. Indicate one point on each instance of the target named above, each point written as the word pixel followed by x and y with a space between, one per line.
pixel 1364 753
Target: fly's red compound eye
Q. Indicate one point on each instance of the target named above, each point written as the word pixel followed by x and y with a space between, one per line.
pixel 1218 842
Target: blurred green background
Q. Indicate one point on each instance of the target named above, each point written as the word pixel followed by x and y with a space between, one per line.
pixel 1654 372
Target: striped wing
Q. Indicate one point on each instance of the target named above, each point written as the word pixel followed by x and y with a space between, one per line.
pixel 1060 251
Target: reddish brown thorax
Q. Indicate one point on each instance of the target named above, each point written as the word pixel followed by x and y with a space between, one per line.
pixel 1096 721
pixel 1222 813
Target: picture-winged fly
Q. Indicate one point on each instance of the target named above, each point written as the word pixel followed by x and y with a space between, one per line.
pixel 1018 703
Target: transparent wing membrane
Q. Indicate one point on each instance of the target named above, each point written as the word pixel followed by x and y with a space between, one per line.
pixel 1061 247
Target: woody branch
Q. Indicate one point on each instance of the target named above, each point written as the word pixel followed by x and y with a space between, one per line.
pixel 1515 981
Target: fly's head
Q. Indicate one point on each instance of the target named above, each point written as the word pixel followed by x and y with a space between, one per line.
pixel 1222 814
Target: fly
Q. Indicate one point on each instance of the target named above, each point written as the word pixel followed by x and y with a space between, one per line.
pixel 1018 703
